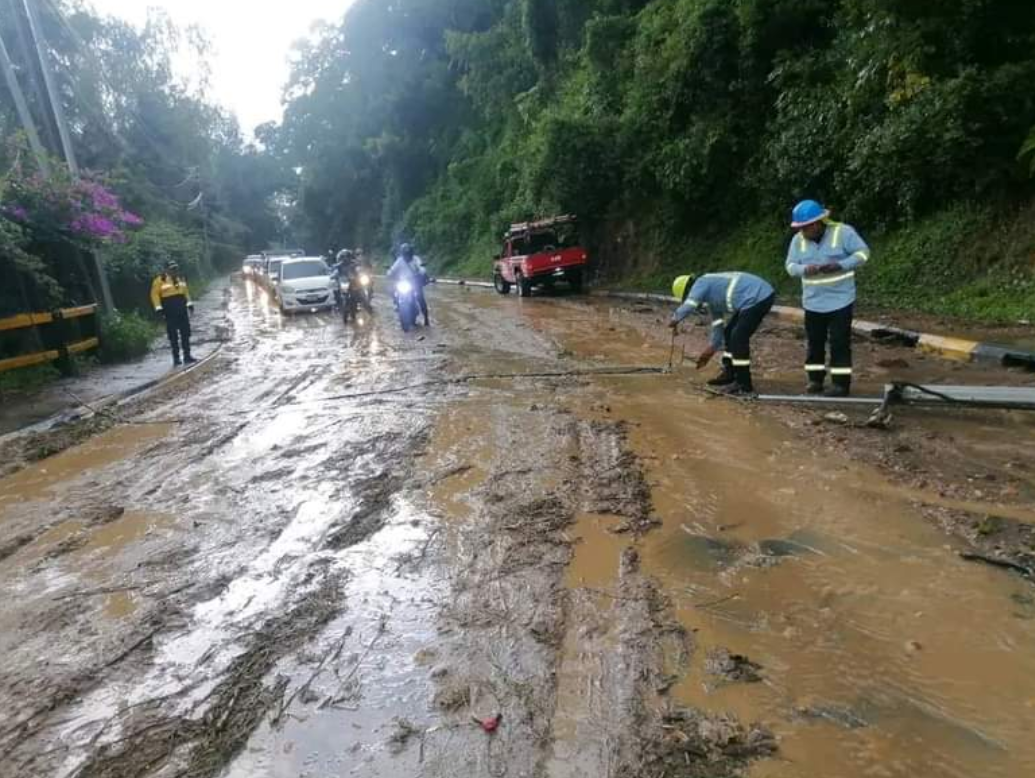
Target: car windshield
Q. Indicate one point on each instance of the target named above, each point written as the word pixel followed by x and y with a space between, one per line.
pixel 304 270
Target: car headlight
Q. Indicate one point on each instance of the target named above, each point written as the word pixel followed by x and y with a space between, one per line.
pixel 404 287
pixel 285 289
pixel 364 280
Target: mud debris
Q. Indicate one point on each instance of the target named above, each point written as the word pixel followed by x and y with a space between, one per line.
pixel 732 668
pixel 202 743
pixel 610 477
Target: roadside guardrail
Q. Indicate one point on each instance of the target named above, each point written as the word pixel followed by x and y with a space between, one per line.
pixel 40 338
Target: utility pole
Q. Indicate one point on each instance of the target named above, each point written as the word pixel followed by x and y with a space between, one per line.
pixel 36 31
pixel 23 110
pixel 48 133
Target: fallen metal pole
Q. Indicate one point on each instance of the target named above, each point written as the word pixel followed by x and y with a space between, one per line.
pixel 808 399
pixel 1017 398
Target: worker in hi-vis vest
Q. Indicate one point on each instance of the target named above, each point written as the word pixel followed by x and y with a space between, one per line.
pixel 825 255
pixel 171 298
pixel 734 304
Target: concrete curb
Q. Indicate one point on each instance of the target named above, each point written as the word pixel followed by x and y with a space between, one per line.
pixel 86 411
pixel 946 347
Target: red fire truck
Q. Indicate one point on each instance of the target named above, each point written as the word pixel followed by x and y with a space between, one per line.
pixel 539 254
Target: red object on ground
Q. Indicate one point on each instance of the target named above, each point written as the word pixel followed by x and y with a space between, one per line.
pixel 490 724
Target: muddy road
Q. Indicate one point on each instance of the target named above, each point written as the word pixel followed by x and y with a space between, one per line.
pixel 351 552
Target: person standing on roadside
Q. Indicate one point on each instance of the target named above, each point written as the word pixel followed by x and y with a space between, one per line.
pixel 825 255
pixel 735 304
pixel 171 299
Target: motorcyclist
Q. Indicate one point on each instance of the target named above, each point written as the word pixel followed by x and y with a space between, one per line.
pixel 344 267
pixel 409 266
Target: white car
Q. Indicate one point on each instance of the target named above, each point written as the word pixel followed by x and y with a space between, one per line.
pixel 304 284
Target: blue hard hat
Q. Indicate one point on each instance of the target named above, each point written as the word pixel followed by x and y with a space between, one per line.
pixel 807 212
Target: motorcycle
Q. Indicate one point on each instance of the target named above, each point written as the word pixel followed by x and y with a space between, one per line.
pixel 355 292
pixel 407 303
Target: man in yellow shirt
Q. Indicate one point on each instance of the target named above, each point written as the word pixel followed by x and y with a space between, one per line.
pixel 171 298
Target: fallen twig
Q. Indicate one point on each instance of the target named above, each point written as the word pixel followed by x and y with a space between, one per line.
pixel 331 655
pixel 94 592
pixel 381 627
pixel 720 601
pixel 973 556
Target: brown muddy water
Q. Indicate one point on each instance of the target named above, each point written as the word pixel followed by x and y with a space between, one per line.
pixel 278 584
pixel 882 652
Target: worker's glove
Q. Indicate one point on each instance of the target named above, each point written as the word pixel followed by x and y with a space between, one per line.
pixel 832 267
pixel 160 312
pixel 674 326
pixel 705 358
pixel 190 308
pixel 814 270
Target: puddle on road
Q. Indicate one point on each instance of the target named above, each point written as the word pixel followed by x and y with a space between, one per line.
pixel 858 606
pixel 597 552
pixel 42 478
pixel 882 653
pixel 582 733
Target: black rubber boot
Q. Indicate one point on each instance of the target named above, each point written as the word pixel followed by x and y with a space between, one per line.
pixel 742 385
pixel 839 389
pixel 725 378
pixel 814 387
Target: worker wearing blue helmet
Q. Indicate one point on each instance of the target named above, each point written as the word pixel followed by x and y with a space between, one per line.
pixel 825 255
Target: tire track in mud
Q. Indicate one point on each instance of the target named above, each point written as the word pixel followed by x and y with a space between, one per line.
pixel 372 472
pixel 200 745
pixel 356 473
pixel 512 620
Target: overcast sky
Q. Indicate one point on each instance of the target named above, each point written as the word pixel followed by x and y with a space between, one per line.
pixel 252 39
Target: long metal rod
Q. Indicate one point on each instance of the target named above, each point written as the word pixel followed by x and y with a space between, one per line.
pixel 23 110
pixel 808 399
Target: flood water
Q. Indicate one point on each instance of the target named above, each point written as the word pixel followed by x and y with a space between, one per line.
pixel 882 653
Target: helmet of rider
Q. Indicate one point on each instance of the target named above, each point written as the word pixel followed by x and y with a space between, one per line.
pixel 344 255
pixel 406 251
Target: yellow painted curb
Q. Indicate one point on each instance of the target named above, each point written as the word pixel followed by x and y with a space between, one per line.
pixel 956 349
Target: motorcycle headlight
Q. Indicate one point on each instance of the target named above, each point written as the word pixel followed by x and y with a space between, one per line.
pixel 404 287
pixel 344 286
pixel 364 280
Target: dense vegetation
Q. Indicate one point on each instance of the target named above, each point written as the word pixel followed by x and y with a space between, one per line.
pixel 166 174
pixel 681 131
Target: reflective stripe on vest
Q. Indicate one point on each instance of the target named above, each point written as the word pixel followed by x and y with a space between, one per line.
pixel 729 291
pixel 830 280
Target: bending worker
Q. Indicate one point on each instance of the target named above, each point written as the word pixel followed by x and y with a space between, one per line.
pixel 171 298
pixel 824 255
pixel 735 304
